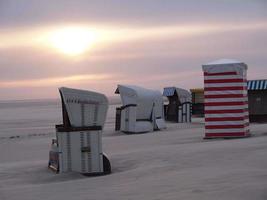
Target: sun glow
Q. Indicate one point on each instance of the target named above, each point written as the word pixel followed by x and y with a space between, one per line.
pixel 72 40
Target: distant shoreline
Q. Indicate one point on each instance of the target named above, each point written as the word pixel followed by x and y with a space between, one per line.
pixel 113 100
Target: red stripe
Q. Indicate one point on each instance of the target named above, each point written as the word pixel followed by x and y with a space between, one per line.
pixel 234 134
pixel 225 126
pixel 219 74
pixel 226 111
pixel 225 88
pixel 225 96
pixel 241 103
pixel 220 119
pixel 237 80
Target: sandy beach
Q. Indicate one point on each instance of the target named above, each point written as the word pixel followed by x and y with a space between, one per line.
pixel 172 164
pixel 82 67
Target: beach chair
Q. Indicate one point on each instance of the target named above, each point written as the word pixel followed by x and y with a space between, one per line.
pixel 180 105
pixel 141 110
pixel 78 143
pixel 226 99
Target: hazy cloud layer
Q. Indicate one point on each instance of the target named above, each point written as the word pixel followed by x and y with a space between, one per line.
pixel 153 52
pixel 149 12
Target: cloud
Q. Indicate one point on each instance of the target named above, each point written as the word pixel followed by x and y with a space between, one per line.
pixel 147 12
pixel 45 82
pixel 42 37
pixel 152 43
pixel 146 55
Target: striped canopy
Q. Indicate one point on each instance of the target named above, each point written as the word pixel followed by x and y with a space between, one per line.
pixel 169 91
pixel 257 85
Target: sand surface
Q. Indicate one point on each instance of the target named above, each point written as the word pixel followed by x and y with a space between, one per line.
pixel 172 164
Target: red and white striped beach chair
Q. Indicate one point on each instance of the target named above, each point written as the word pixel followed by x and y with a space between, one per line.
pixel 226 100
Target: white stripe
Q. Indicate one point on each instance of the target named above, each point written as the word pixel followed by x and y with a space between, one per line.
pixel 188 111
pixel 209 100
pixel 257 85
pixel 225 92
pixel 225 123
pixel 249 84
pixel 223 77
pixel 183 111
pixel 225 130
pixel 206 85
pixel 261 84
pixel 253 85
pixel 226 115
pixel 180 114
pixel 225 107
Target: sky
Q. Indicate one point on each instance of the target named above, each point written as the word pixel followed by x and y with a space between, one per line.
pixel 97 44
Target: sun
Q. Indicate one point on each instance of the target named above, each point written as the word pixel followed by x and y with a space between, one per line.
pixel 72 40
